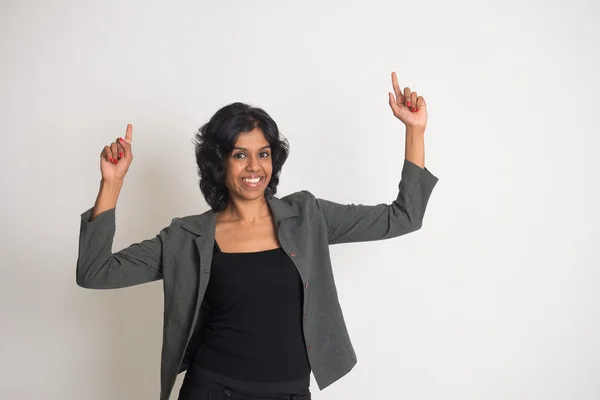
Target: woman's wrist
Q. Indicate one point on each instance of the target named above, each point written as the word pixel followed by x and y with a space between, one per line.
pixel 113 185
pixel 415 146
pixel 415 130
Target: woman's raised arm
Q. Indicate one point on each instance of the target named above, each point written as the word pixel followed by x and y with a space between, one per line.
pixel 356 223
pixel 97 266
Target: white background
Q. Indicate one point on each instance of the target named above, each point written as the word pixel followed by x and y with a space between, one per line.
pixel 496 297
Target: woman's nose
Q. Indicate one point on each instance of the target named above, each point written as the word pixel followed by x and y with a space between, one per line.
pixel 252 163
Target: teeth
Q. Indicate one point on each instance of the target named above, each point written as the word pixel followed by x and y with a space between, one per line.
pixel 253 181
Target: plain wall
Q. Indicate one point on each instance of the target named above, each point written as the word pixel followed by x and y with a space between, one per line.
pixel 496 297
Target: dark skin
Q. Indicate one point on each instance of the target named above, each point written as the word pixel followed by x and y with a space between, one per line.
pixel 246 224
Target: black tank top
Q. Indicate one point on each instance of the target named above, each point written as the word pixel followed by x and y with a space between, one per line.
pixel 255 328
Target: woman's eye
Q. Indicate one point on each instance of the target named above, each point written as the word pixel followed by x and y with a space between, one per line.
pixel 264 154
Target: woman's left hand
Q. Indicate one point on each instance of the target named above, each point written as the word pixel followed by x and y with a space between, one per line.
pixel 408 107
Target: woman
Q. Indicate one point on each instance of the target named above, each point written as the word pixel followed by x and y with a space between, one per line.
pixel 270 315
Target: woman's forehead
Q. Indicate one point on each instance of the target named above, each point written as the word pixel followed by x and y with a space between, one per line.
pixel 252 140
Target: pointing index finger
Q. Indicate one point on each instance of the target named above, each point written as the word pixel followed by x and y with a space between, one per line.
pixel 397 91
pixel 128 133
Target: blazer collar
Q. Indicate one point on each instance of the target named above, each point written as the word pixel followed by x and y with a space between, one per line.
pixel 203 223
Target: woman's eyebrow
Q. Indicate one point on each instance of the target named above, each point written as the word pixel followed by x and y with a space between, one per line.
pixel 245 149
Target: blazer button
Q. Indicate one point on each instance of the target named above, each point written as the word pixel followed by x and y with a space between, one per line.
pixel 309 347
pixel 306 285
pixel 305 316
pixel 293 254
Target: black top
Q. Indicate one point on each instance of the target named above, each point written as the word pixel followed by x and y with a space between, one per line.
pixel 255 328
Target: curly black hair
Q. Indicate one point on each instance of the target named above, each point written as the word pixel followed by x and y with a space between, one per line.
pixel 214 143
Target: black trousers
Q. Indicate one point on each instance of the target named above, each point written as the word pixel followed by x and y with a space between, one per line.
pixel 201 384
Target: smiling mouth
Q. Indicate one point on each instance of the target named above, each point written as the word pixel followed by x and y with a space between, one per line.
pixel 252 181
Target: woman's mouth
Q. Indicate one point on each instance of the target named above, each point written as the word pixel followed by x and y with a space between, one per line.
pixel 252 182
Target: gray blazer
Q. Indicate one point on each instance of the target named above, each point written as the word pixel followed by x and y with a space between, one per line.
pixel 181 255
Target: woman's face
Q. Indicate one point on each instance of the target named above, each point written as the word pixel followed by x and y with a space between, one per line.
pixel 249 166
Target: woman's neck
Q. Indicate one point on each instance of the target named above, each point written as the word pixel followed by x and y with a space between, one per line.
pixel 245 211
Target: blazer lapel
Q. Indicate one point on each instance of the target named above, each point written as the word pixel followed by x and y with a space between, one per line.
pixel 203 226
pixel 280 211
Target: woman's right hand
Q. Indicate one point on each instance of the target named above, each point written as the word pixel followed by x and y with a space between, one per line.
pixel 116 158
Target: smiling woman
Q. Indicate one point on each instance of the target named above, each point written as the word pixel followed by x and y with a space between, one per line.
pixel 239 142
pixel 241 147
pixel 251 305
pixel 249 164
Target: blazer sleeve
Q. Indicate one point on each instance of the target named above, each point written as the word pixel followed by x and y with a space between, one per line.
pixel 360 223
pixel 99 268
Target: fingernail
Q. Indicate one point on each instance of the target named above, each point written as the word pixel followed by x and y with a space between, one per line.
pixel 121 139
pixel 121 155
pixel 408 104
pixel 417 109
pixel 110 158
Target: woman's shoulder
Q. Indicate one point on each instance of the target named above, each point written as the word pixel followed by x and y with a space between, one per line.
pixel 301 202
pixel 301 198
pixel 196 223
